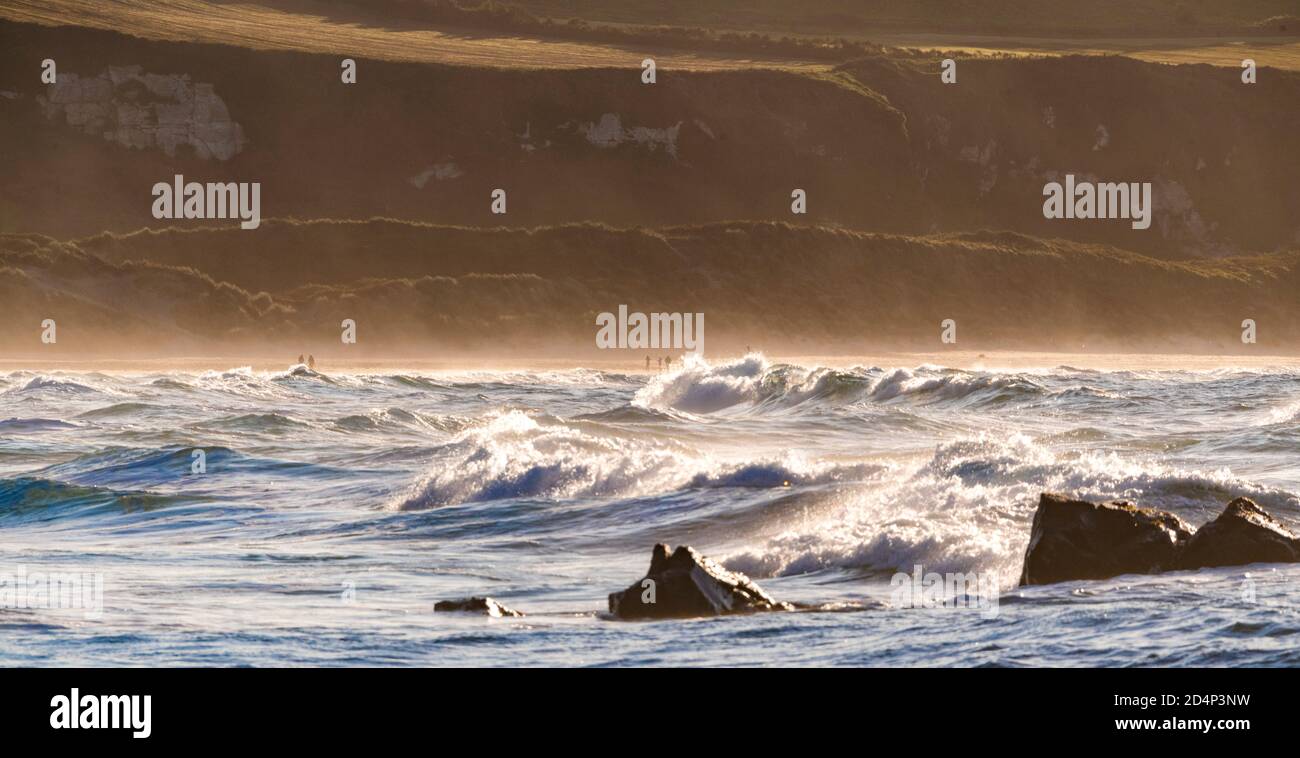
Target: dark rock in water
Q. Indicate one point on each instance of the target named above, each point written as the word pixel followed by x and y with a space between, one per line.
pixel 687 584
pixel 1075 539
pixel 481 605
pixel 1243 533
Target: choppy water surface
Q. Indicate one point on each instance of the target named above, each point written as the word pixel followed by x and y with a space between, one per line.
pixel 336 509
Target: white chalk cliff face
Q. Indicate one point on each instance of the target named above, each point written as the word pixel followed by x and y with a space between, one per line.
pixel 146 111
pixel 609 132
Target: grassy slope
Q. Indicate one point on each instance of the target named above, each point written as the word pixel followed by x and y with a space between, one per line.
pixel 1217 34
pixel 1067 18
pixel 865 134
pixel 275 26
pixel 880 144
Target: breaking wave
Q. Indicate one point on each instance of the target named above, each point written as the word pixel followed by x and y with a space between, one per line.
pixel 969 506
pixel 752 383
pixel 518 456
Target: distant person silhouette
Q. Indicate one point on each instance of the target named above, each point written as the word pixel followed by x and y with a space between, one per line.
pixel 668 362
pixel 300 360
pixel 311 361
pixel 647 363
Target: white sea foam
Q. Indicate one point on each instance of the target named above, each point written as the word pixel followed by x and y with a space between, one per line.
pixel 968 508
pixel 548 488
pixel 701 387
pixel 1284 414
pixel 515 455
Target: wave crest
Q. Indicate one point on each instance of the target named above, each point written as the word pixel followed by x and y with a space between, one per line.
pixel 700 387
pixel 515 455
pixel 969 507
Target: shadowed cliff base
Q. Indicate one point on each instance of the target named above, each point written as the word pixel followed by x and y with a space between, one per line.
pixel 413 288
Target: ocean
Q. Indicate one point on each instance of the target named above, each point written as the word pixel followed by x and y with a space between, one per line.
pixel 328 512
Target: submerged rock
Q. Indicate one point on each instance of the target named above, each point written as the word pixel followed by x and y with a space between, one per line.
pixel 485 606
pixel 686 584
pixel 1243 533
pixel 1075 539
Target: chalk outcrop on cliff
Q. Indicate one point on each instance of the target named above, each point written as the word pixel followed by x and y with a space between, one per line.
pixel 146 111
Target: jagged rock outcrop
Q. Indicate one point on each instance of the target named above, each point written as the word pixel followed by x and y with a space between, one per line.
pixel 686 584
pixel 1074 539
pixel 135 109
pixel 1243 533
pixel 485 606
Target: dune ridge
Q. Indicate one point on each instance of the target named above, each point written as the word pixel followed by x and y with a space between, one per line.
pixel 537 291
